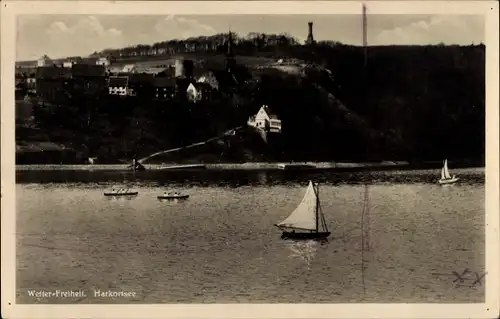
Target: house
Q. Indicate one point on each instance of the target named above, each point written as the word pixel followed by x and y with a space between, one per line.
pixel 89 78
pixel 103 61
pixel 181 85
pixel 118 85
pixel 197 92
pixel 71 61
pixel 44 61
pixel 129 68
pixel 31 84
pixel 210 79
pixel 265 120
pixel 164 88
pixel 51 81
pixel 140 84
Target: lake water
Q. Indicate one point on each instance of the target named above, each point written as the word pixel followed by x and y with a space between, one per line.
pixel 220 245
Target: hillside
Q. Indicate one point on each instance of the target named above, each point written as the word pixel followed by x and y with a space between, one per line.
pixel 409 103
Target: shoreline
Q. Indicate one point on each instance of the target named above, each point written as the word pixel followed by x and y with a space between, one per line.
pixel 252 166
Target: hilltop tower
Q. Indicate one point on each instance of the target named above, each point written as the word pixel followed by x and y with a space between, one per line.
pixel 310 37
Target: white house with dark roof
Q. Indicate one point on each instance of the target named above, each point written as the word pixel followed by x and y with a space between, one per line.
pixel 118 85
pixel 198 91
pixel 265 120
pixel 103 61
pixel 44 61
pixel 209 78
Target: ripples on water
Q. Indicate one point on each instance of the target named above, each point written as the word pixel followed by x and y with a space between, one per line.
pixel 221 246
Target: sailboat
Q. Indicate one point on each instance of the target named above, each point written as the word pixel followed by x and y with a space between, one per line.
pixel 307 220
pixel 446 177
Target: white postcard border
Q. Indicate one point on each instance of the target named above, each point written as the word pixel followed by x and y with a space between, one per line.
pixel 10 9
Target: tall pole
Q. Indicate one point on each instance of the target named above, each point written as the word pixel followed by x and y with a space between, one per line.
pixel 365 35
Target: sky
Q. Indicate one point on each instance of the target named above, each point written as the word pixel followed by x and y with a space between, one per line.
pixel 79 35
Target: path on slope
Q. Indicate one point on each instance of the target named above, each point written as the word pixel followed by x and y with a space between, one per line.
pixel 226 133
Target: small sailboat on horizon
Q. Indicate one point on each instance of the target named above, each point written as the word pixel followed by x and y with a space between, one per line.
pixel 446 177
pixel 307 221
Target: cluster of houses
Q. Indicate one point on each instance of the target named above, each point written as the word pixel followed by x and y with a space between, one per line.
pixel 90 76
pixel 164 82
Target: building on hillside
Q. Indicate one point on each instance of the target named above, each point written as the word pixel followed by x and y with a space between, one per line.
pixel 72 61
pixel 181 85
pixel 226 81
pixel 31 84
pixel 152 70
pixel 44 61
pixel 52 82
pixel 167 72
pixel 210 79
pixel 140 84
pixel 184 68
pixel 164 88
pixel 103 61
pixel 89 78
pixel 197 92
pixel 129 68
pixel 118 85
pixel 265 120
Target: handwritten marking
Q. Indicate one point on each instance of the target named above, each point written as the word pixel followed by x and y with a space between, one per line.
pixel 478 279
pixel 460 279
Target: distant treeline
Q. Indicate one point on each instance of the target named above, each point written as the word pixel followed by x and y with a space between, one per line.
pixel 396 102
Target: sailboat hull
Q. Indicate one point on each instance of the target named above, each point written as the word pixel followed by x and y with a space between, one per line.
pixel 313 235
pixel 448 181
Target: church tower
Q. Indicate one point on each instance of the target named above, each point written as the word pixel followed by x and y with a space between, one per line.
pixel 230 60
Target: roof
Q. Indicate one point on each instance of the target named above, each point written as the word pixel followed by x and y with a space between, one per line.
pixel 167 72
pixel 203 85
pixel 113 69
pixel 128 68
pixel 118 81
pixel 89 60
pixel 153 70
pixel 225 78
pixel 52 72
pixel 140 78
pixel 88 70
pixel 270 113
pixel 164 82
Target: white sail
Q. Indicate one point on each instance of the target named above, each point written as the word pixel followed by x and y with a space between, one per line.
pixel 304 216
pixel 442 173
pixel 445 170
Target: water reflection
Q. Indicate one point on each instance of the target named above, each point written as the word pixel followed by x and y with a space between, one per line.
pixel 262 178
pixel 304 250
pixel 121 198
